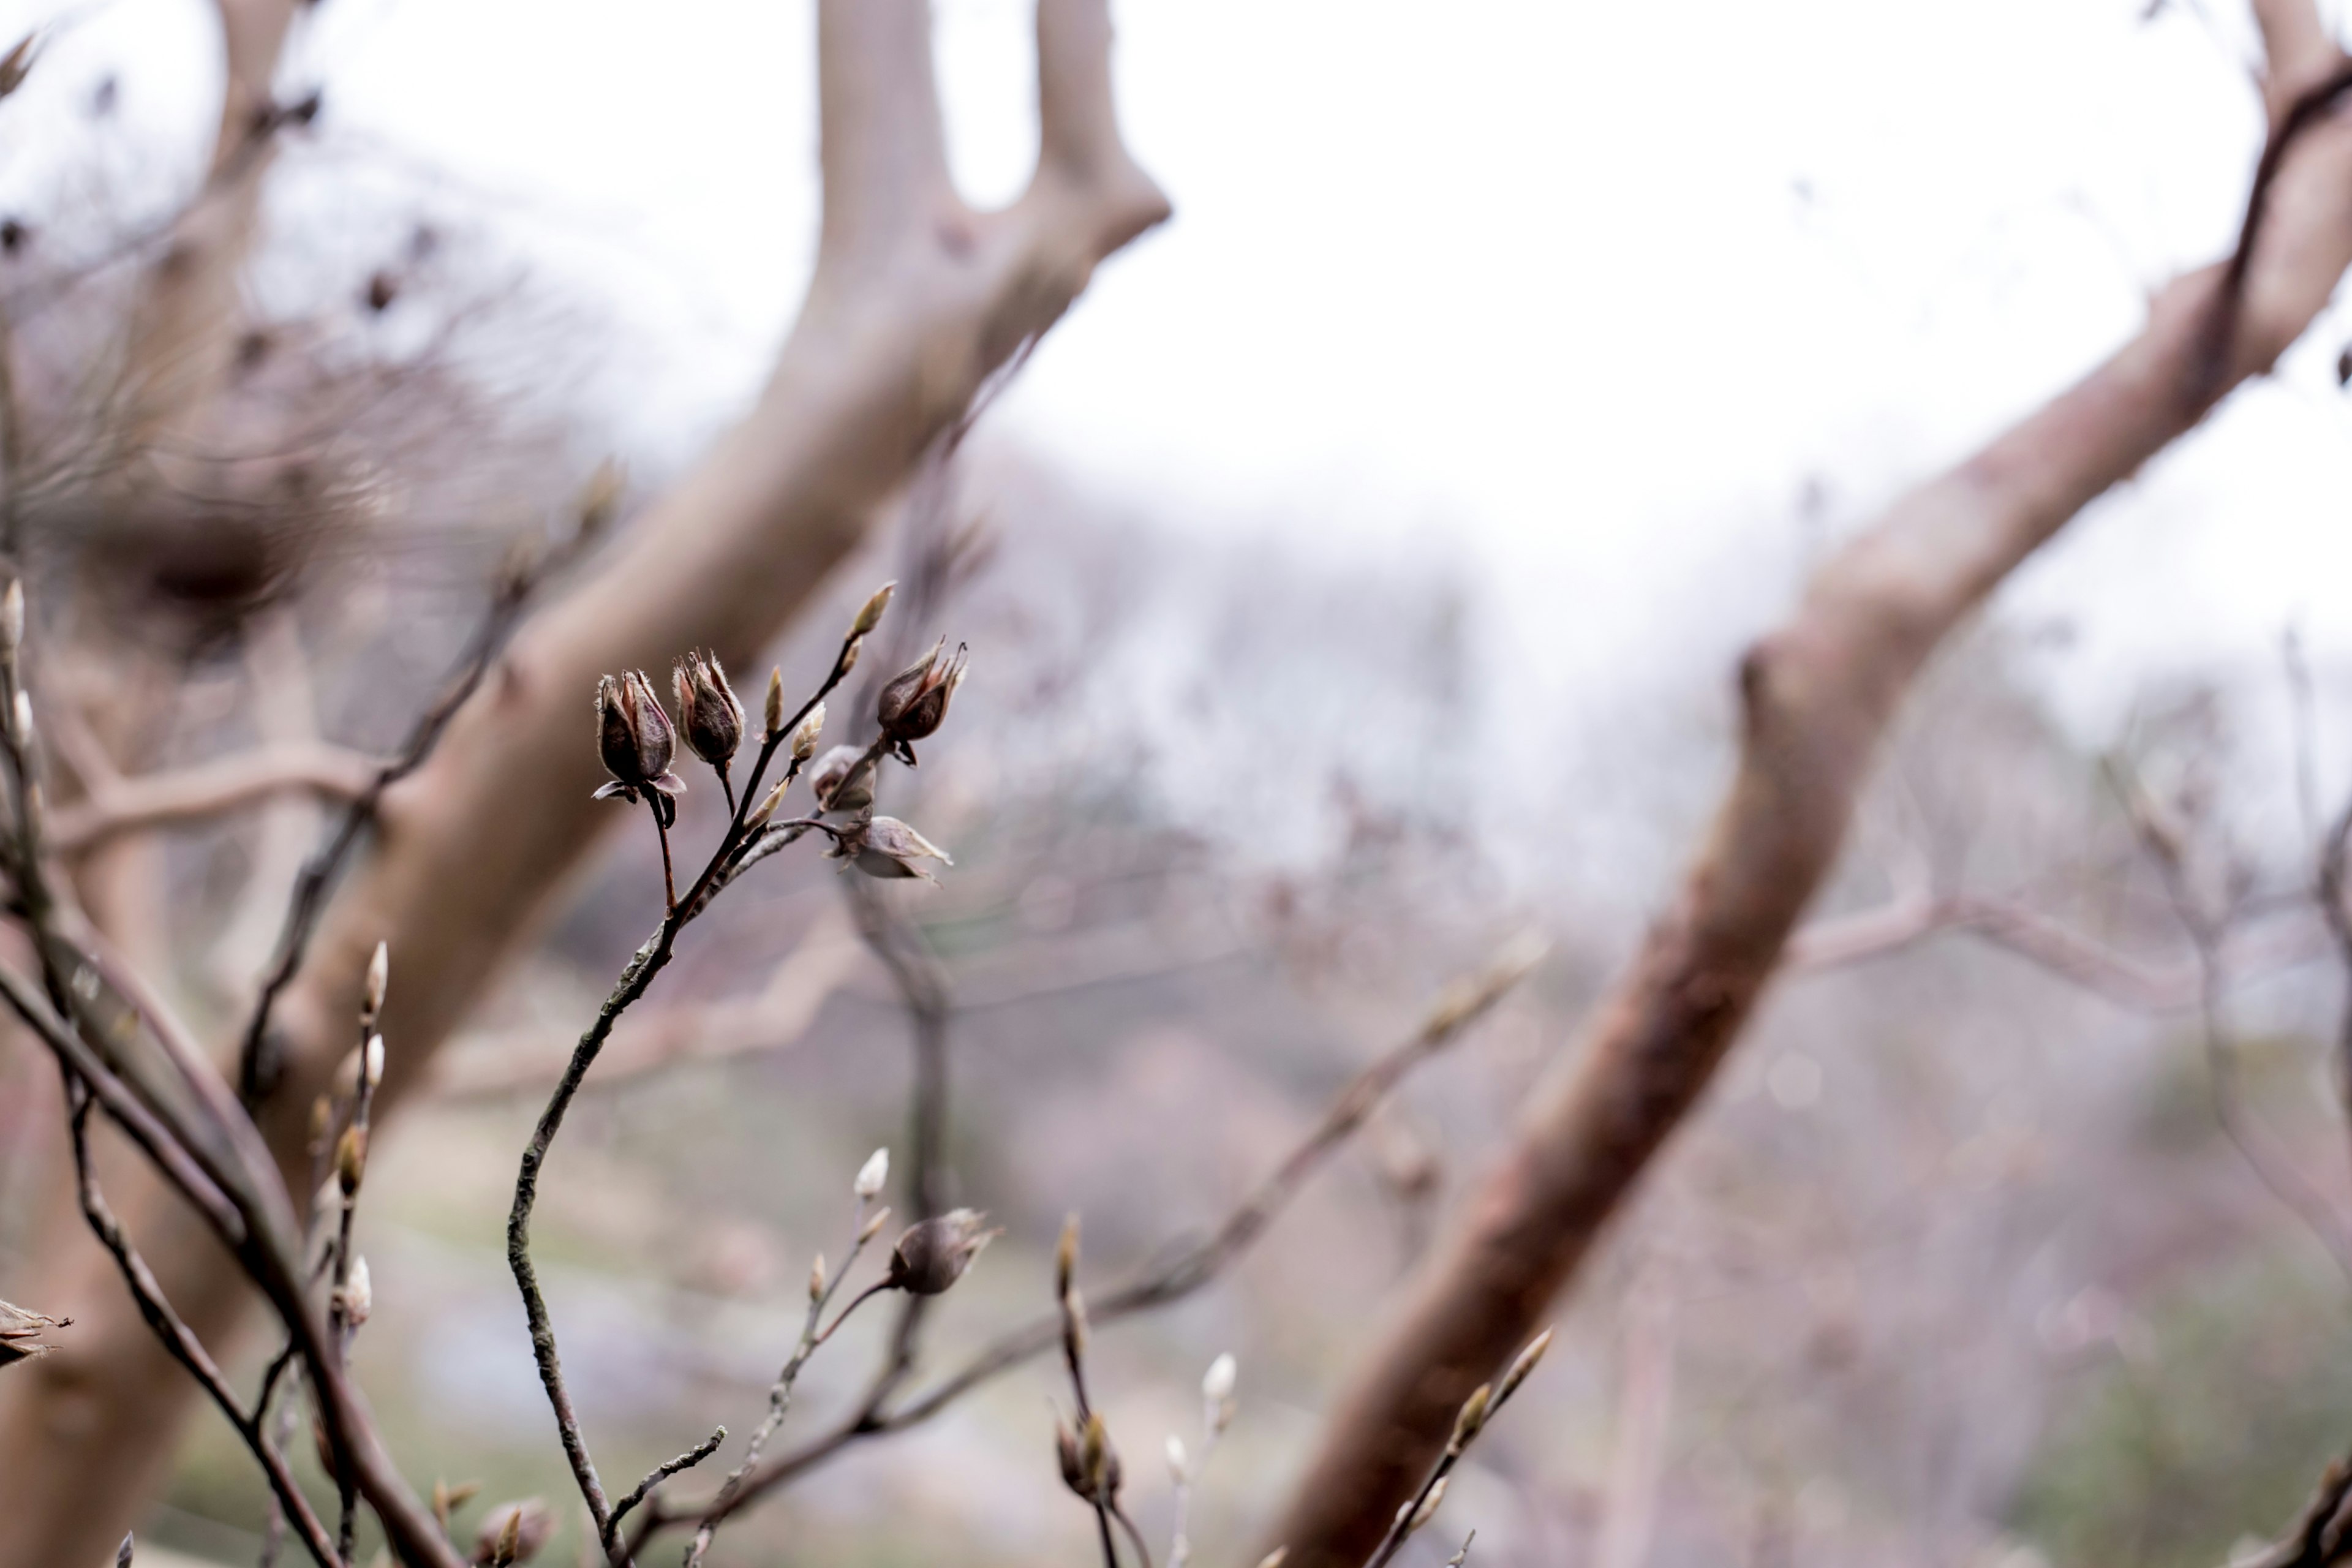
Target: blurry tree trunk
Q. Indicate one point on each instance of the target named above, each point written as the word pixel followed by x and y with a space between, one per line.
pixel 916 300
pixel 1816 695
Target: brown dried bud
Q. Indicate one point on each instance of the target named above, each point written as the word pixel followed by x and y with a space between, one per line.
pixel 708 711
pixel 633 738
pixel 512 1533
pixel 869 615
pixel 1073 1463
pixel 844 781
pixel 932 1255
pixel 887 848
pixel 915 700
pixel 1066 1259
pixel 351 1159
pixel 21 1330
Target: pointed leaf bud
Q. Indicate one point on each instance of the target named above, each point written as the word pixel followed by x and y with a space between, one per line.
pixel 932 1255
pixel 873 1225
pixel 322 1124
pixel 11 616
pixel 816 1279
pixel 805 733
pixel 1414 1518
pixel 1524 1364
pixel 1066 1259
pixel 1178 1471
pixel 20 720
pixel 1471 1418
pixel 1275 1558
pixel 1095 1458
pixel 708 710
pixel 513 1532
pixel 374 1068
pixel 351 1159
pixel 379 979
pixel 772 712
pixel 869 615
pixel 123 1552
pixel 872 1175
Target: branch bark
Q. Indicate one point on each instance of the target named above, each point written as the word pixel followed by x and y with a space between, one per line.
pixel 916 300
pixel 1816 695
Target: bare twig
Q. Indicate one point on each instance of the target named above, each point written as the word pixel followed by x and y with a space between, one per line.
pixel 210 789
pixel 1179 1273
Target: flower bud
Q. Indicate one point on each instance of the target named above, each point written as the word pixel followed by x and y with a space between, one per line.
pixel 357 1294
pixel 772 712
pixel 767 806
pixel 1217 1383
pixel 374 1064
pixel 933 1255
pixel 871 1175
pixel 20 720
pixel 873 1225
pixel 1179 1471
pixel 844 781
pixel 708 710
pixel 1413 1516
pixel 1275 1558
pixel 351 1159
pixel 322 1124
pixel 512 1533
pixel 869 615
pixel 914 703
pixel 816 1279
pixel 1098 1460
pixel 379 978
pixel 11 616
pixel 1524 1364
pixel 633 738
pixel 805 733
pixel 1471 1418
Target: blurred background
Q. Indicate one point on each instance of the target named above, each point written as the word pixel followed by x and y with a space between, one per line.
pixel 1353 581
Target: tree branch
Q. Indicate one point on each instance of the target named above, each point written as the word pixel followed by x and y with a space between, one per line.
pixel 211 789
pixel 1817 695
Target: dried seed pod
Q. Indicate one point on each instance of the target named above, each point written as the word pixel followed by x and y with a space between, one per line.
pixel 512 1533
pixel 20 1334
pixel 915 701
pixel 708 711
pixel 633 738
pixel 844 781
pixel 932 1255
pixel 1073 1464
pixel 887 848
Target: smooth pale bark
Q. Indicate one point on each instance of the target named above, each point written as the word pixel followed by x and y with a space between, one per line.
pixel 917 299
pixel 1816 694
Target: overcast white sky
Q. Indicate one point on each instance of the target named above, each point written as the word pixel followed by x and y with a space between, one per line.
pixel 1590 289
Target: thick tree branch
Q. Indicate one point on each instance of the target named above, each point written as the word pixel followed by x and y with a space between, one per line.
pixel 1817 695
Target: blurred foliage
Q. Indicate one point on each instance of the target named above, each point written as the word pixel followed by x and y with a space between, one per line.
pixel 2164 1460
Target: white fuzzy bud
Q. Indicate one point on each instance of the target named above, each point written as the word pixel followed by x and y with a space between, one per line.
pixel 1177 1458
pixel 374 1060
pixel 873 1175
pixel 1217 1383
